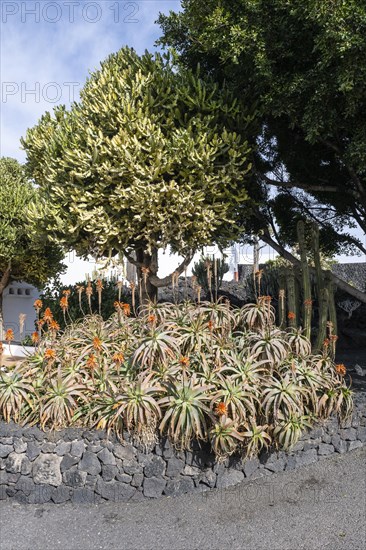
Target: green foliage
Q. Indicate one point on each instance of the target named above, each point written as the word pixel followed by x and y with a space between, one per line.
pixel 24 251
pixel 304 64
pixel 210 273
pixel 149 157
pixel 240 387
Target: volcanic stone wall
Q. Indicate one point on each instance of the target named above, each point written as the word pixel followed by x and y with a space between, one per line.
pixel 89 467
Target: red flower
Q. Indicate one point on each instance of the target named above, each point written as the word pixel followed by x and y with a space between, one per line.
pixel 221 409
pixel 126 309
pixel 50 354
pixel 54 326
pixel 97 343
pixel 9 335
pixel 118 358
pixel 91 362
pixel 64 303
pixel 184 361
pixel 341 369
pixel 48 315
pixel 38 305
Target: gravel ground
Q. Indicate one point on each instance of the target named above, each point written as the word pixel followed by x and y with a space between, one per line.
pixel 321 506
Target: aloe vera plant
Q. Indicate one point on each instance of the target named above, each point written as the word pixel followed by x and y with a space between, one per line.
pixel 188 371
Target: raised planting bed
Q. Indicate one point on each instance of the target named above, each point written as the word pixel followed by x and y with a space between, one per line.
pixel 88 467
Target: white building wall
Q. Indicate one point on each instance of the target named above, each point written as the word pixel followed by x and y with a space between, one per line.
pixel 19 298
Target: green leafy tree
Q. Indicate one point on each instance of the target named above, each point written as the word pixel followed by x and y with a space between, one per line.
pixel 25 254
pixel 150 157
pixel 304 65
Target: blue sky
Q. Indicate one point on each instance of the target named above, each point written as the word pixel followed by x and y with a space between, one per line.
pixel 49 47
pixel 47 51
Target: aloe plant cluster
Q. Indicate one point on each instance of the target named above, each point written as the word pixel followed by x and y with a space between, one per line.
pixel 205 372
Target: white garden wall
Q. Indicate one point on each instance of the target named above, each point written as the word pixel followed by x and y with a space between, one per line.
pixel 19 298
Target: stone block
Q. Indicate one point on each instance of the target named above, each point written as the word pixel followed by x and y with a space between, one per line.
pixel 46 470
pixel 275 464
pixel 155 467
pixel 74 478
pixel 115 491
pixel 90 464
pixel 132 467
pixel 153 487
pixel 325 449
pixel 84 496
pixel 361 434
pixel 191 470
pixel 354 445
pixel 251 465
pixel 68 461
pixel 20 446
pixel 124 478
pixel 25 484
pixel 306 457
pixel 124 452
pixel 178 487
pixel 137 480
pixel 48 447
pixel 61 494
pixel 62 448
pixel 77 448
pixel 41 495
pixel 109 472
pixel 5 450
pixel 33 450
pixel 229 477
pixel 208 477
pixel 349 434
pixel 13 463
pixel 107 457
pixel 174 466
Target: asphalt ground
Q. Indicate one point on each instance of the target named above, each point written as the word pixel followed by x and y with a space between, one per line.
pixel 319 506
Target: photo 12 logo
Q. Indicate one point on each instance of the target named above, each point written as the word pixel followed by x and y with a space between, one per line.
pixel 50 92
pixel 53 12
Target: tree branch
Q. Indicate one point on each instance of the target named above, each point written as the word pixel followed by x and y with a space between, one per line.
pixel 132 260
pixel 311 187
pixel 165 281
pixel 5 278
pixel 358 294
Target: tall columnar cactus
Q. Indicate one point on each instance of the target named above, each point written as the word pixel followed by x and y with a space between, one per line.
pixel 305 277
pixel 331 304
pixel 282 298
pixel 291 298
pixel 323 292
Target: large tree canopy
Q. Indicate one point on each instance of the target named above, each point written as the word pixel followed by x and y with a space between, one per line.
pixel 303 62
pixel 149 157
pixel 24 252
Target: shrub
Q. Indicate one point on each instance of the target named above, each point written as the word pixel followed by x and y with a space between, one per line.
pixel 203 372
pixel 78 303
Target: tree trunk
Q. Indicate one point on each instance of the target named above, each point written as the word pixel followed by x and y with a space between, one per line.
pixel 4 281
pixel 148 267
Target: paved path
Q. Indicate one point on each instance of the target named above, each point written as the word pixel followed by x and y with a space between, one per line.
pixel 321 506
